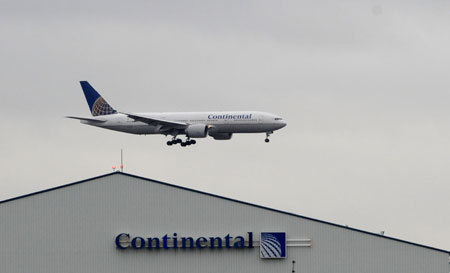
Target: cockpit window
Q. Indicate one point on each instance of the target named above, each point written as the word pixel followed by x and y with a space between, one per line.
pixel 278 118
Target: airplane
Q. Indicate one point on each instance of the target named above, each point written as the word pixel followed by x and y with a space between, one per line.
pixel 218 125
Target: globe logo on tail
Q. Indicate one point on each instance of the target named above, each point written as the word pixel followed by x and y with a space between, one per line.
pixel 101 107
pixel 273 245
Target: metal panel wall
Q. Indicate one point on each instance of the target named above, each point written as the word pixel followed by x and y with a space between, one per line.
pixel 72 229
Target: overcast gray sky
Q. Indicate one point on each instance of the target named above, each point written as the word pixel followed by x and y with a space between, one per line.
pixel 363 85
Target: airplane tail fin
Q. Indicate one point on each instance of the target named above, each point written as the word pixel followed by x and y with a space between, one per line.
pixel 97 104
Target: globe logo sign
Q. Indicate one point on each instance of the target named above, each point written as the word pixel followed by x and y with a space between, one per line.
pixel 273 245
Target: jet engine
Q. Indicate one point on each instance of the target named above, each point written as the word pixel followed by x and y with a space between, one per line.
pixel 197 130
pixel 222 136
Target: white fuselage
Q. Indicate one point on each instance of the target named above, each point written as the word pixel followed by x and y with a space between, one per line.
pixel 218 122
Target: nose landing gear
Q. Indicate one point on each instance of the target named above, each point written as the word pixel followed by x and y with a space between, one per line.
pixel 267 140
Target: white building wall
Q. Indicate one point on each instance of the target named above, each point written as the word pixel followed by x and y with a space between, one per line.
pixel 72 229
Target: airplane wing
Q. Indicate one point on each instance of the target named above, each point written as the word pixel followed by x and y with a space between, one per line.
pixel 88 119
pixel 155 121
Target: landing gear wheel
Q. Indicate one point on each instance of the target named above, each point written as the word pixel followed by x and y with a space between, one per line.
pixel 173 141
pixel 193 141
pixel 189 141
pixel 183 144
pixel 178 140
pixel 267 140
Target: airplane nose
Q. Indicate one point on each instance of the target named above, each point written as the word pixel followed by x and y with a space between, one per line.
pixel 282 124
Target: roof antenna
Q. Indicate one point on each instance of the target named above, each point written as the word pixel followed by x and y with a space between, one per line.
pixel 121 160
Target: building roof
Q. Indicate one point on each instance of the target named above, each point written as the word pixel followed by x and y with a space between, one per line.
pixel 229 199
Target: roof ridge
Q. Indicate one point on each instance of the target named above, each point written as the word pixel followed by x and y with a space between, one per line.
pixel 229 199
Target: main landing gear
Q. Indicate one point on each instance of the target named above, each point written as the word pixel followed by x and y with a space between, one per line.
pixel 176 141
pixel 267 140
pixel 188 142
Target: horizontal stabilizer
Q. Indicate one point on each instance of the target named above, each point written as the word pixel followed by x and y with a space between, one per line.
pixel 88 119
